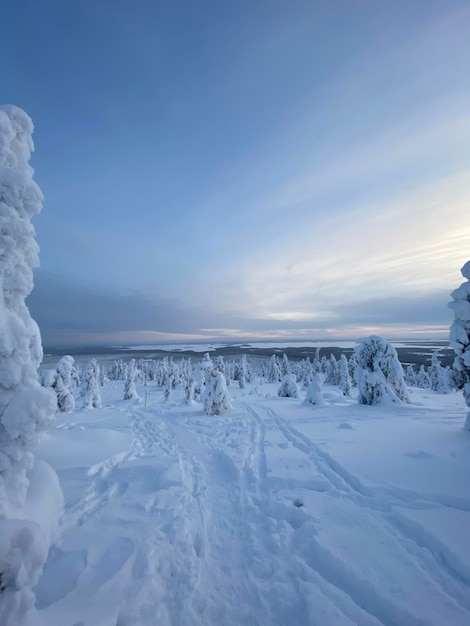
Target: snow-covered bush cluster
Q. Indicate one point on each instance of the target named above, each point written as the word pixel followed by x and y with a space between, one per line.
pixel 460 336
pixel 26 408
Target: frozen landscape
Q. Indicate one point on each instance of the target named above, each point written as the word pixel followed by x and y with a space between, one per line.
pixel 274 513
pixel 233 390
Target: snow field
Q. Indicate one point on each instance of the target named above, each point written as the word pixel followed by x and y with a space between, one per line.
pixel 276 513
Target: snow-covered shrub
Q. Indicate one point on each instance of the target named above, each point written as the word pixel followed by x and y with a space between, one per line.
pixel 288 388
pixel 216 399
pixel 315 391
pixel 130 392
pixel 460 336
pixel 91 396
pixel 26 408
pixel 379 374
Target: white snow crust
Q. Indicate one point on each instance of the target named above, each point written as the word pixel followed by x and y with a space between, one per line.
pixel 277 512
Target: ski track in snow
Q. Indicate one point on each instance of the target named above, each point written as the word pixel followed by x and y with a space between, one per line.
pixel 430 555
pixel 224 540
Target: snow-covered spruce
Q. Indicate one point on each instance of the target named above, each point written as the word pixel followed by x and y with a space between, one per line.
pixel 379 374
pixel 64 384
pixel 460 336
pixel 130 392
pixel 315 391
pixel 216 399
pixel 345 383
pixel 288 387
pixel 91 396
pixel 26 408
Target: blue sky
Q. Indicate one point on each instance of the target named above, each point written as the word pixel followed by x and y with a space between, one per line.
pixel 244 169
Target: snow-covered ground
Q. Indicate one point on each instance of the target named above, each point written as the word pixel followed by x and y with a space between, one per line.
pixel 276 514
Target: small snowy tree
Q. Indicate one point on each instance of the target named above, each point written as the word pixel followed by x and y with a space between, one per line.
pixel 274 372
pixel 345 383
pixel 288 388
pixel 64 384
pixel 26 408
pixel 216 399
pixel 91 396
pixel 130 392
pixel 315 391
pixel 460 336
pixel 422 379
pixel 379 373
pixel 410 376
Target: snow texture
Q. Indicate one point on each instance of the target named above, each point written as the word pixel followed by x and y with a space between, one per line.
pixel 26 408
pixel 262 516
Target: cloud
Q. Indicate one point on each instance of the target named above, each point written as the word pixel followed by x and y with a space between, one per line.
pixel 70 313
pixel 64 308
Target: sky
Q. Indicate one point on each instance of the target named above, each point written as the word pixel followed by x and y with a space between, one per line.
pixel 241 170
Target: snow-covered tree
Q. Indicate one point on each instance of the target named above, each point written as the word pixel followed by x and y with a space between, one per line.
pixel 26 408
pixel 242 372
pixel 91 396
pixel 315 391
pixel 288 388
pixel 332 370
pixel 285 365
pixel 410 376
pixel 130 392
pixel 460 336
pixel 422 379
pixel 379 374
pixel 274 372
pixel 345 383
pixel 216 399
pixel 64 384
pixel 352 365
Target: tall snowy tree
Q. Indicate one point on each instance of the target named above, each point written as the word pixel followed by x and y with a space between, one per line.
pixel 26 408
pixel 460 336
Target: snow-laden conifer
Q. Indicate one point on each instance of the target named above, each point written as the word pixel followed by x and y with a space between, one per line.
pixel 460 336
pixel 91 396
pixel 130 392
pixel 216 399
pixel 274 372
pixel 26 408
pixel 422 379
pixel 315 391
pixel 288 387
pixel 410 376
pixel 64 384
pixel 379 373
pixel 345 383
